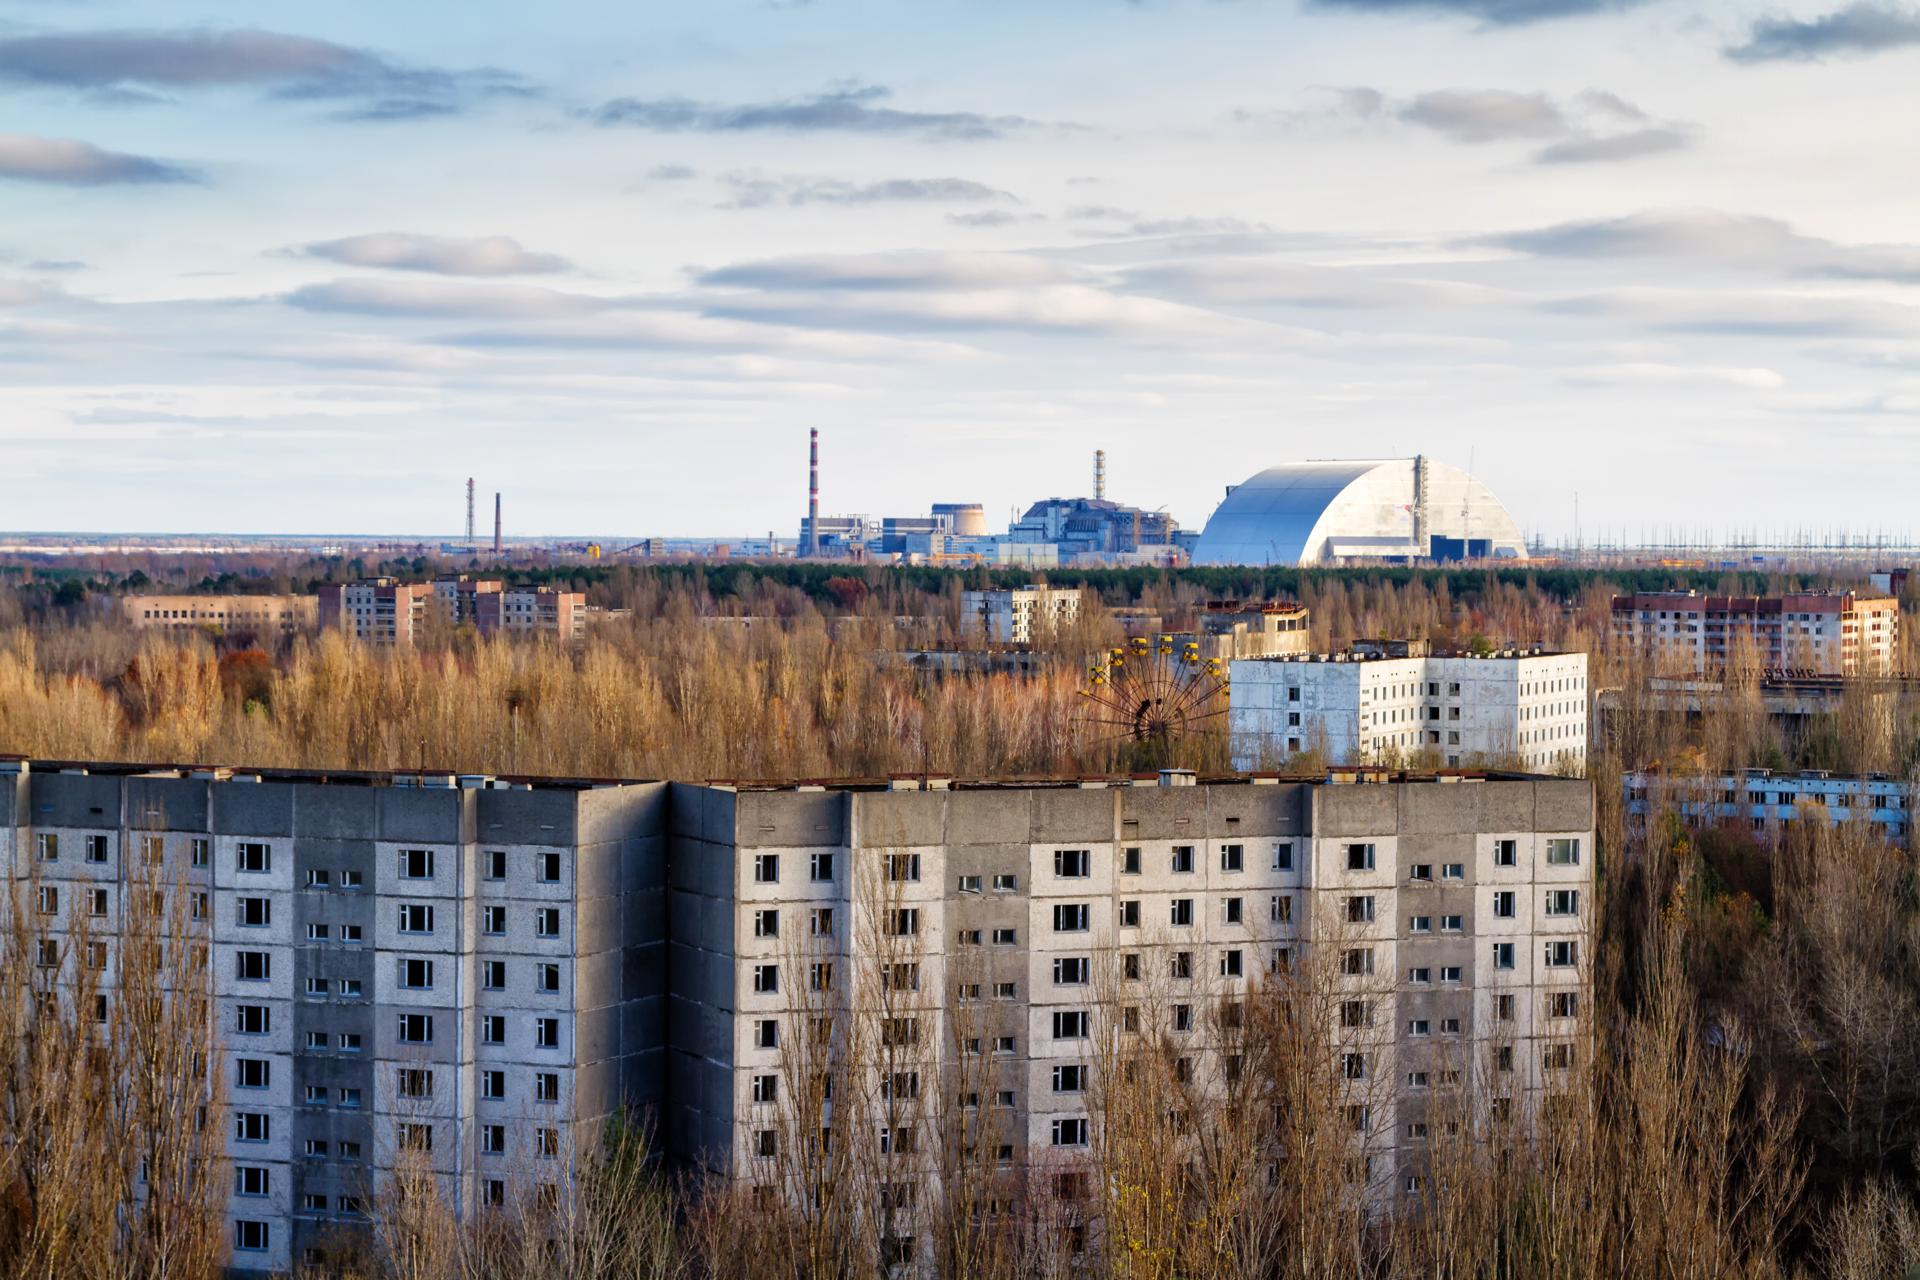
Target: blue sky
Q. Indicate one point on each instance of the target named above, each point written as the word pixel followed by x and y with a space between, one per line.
pixel 273 267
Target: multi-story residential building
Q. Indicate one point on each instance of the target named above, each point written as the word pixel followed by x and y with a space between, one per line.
pixel 378 610
pixel 532 610
pixel 1231 629
pixel 1398 701
pixel 1822 632
pixel 264 616
pixel 471 966
pixel 461 599
pixel 1020 615
pixel 1767 801
pixel 480 967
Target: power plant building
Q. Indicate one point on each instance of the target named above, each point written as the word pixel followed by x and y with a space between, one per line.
pixel 1397 511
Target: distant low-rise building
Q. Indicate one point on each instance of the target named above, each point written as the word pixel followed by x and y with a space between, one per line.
pixel 1767 801
pixel 262 615
pixel 377 610
pixel 1231 629
pixel 383 611
pixel 1020 615
pixel 1397 700
pixel 1824 632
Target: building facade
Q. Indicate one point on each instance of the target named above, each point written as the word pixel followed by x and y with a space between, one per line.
pixel 383 611
pixel 1020 615
pixel 481 967
pixel 1819 632
pixel 1397 701
pixel 264 616
pixel 1767 801
pixel 532 611
pixel 378 610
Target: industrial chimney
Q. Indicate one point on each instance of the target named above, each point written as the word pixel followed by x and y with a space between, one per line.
pixel 813 492
pixel 469 510
pixel 1099 475
pixel 496 522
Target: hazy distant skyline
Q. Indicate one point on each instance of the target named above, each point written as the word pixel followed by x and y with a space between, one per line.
pixel 303 268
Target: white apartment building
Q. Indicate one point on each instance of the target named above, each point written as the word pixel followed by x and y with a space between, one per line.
pixel 1820 632
pixel 1767 801
pixel 1020 615
pixel 1370 705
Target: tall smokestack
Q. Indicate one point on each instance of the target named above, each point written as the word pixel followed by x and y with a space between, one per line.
pixel 1099 474
pixel 496 522
pixel 469 510
pixel 813 492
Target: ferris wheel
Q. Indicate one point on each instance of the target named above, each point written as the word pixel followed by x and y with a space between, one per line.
pixel 1152 691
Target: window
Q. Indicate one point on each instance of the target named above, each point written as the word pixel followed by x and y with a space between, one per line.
pixel 1449 973
pixel 1070 1024
pixel 252 966
pixel 1130 914
pixel 903 922
pixel 1232 964
pixel 49 900
pixel 1563 853
pixel 49 847
pixel 546 1033
pixel 251 1236
pixel 350 988
pixel 493 1029
pixel 349 1042
pixel 1070 1079
pixel 1071 971
pixel 549 978
pixel 416 864
pixel 1420 924
pixel 1563 1004
pixel 1453 871
pixel 1359 857
pixel 416 917
pixel 252 1073
pixel 970 884
pixel 1503 1058
pixel 493 920
pixel 766 979
pixel 819 867
pixel 252 1126
pixel 1503 1008
pixel 317 932
pixel 1130 860
pixel 546 922
pixel 1070 1131
pixel 414 975
pixel 201 849
pixel 493 975
pixel 1003 1044
pixel 1420 974
pixel 351 880
pixel 766 1034
pixel 415 1137
pixel 493 1085
pixel 413 1082
pixel 317 1095
pixel 546 1086
pixel 1563 902
pixel 96 850
pixel 1356 961
pixel 253 858
pixel 1072 917
pixel 1556 1057
pixel 1353 1066
pixel 493 1139
pixel 496 864
pixel 1281 908
pixel 1182 913
pixel 820 922
pixel 1182 859
pixel 766 924
pixel 766 1088
pixel 1451 924
pixel 317 1147
pixel 549 868
pixel 1503 904
pixel 1420 871
pixel 903 867
pixel 1005 883
pixel 1072 864
pixel 1360 909
pixel 97 902
pixel 252 1019
pixel 319 986
pixel 766 868
pixel 1562 954
pixel 1180 965
pixel 1283 855
pixel 1233 857
pixel 1355 1014
pixel 1503 955
pixel 1232 910
pixel 1419 1027
pixel 1006 937
pixel 901 976
pixel 416 1028
pixel 1506 853
pixel 820 976
pixel 899 1032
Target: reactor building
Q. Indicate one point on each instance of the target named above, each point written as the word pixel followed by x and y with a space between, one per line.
pixel 1381 511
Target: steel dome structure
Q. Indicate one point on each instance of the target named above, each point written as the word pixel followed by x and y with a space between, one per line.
pixel 1382 510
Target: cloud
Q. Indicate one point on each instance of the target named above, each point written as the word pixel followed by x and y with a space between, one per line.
pixel 441 255
pixel 992 218
pixel 80 164
pixel 855 109
pixel 424 298
pixel 1859 29
pixel 1057 308
pixel 1240 282
pixel 1698 233
pixel 753 191
pixel 1497 13
pixel 882 272
pixel 1620 146
pixel 22 293
pixel 1757 315
pixel 672 173
pixel 1125 223
pixel 128 65
pixel 1485 115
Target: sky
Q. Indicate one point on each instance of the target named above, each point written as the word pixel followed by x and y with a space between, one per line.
pixel 281 268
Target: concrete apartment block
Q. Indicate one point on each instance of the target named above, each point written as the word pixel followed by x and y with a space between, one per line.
pixel 500 963
pixel 1379 702
pixel 264 616
pixel 1821 632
